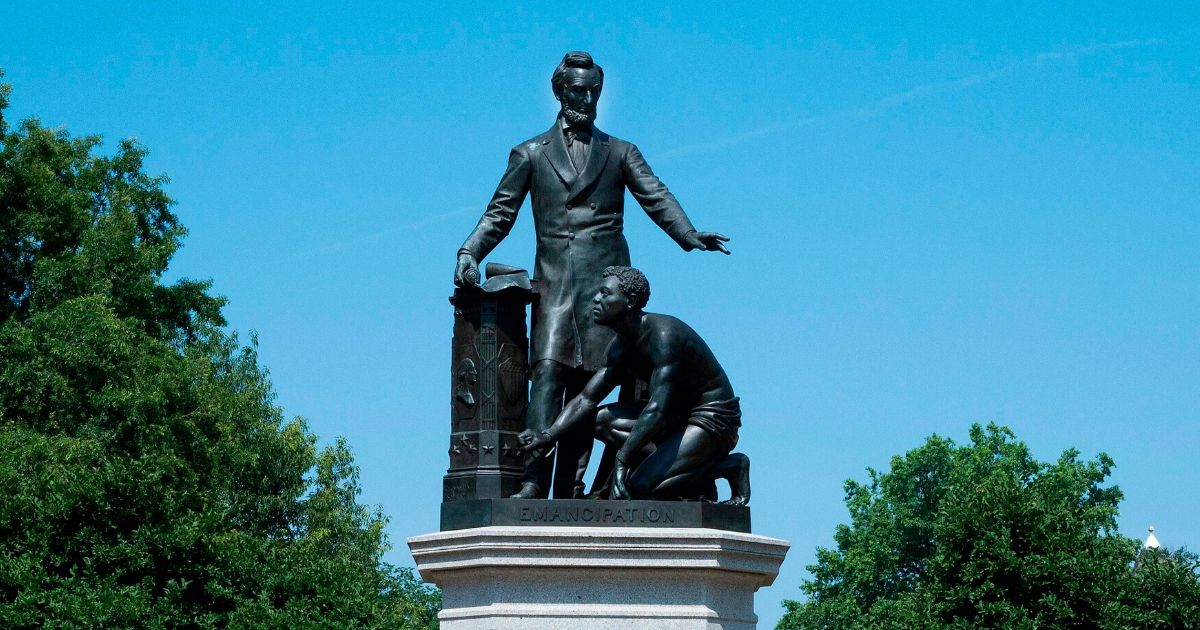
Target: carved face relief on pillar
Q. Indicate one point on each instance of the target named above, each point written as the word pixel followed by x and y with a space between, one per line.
pixel 466 384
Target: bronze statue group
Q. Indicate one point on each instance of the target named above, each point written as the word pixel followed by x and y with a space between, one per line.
pixel 590 332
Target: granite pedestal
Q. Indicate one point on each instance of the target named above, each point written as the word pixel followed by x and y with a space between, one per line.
pixel 631 578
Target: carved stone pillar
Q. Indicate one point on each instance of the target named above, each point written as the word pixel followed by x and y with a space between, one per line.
pixel 489 388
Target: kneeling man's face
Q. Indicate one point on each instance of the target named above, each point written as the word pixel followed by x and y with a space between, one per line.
pixel 610 302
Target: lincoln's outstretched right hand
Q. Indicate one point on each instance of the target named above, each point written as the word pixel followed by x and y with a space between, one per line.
pixel 707 241
pixel 466 272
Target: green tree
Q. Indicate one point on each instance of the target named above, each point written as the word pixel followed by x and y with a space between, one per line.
pixel 1163 592
pixel 147 477
pixel 986 536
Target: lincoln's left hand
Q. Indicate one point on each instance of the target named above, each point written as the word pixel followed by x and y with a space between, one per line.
pixel 707 241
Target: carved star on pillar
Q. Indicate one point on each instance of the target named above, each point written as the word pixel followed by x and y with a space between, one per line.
pixel 488 448
pixel 466 444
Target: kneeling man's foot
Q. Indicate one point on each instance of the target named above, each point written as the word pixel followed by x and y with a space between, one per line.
pixel 737 473
pixel 529 490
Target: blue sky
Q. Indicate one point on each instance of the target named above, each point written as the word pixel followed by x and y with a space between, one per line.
pixel 940 215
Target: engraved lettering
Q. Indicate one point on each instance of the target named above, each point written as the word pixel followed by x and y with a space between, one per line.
pixel 575 514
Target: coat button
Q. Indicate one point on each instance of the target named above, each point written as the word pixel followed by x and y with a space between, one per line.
pixel 593 204
pixel 571 236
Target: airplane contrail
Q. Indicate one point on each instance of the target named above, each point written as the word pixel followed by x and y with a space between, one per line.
pixel 893 101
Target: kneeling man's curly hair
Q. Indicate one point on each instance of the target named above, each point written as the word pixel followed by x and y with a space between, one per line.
pixel 633 284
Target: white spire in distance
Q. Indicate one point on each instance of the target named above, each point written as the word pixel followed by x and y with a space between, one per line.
pixel 1151 541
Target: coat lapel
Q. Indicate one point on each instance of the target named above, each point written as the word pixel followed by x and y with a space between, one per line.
pixel 556 154
pixel 597 156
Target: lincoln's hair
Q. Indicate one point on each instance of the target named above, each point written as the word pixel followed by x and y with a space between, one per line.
pixel 633 284
pixel 574 59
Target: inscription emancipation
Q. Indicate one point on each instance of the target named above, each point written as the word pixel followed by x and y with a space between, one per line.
pixel 572 514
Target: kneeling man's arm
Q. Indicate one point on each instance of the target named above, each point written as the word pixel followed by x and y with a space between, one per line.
pixel 662 386
pixel 581 408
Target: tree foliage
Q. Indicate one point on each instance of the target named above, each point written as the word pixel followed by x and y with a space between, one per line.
pixel 149 479
pixel 986 536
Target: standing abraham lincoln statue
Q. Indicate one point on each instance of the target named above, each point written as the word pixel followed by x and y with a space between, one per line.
pixel 576 176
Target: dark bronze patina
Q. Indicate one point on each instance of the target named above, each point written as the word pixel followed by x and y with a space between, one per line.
pixel 583 513
pixel 576 177
pixel 489 376
pixel 676 444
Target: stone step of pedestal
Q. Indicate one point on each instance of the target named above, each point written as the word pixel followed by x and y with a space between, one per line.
pixel 560 578
pixel 590 616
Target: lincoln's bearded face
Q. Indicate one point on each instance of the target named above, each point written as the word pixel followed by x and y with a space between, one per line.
pixel 579 117
pixel 578 96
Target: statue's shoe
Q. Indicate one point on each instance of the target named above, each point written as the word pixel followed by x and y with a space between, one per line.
pixel 529 490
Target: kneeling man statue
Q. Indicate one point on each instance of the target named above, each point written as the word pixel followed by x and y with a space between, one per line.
pixel 676 444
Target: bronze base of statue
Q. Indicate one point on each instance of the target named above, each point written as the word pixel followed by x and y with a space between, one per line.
pixel 591 513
